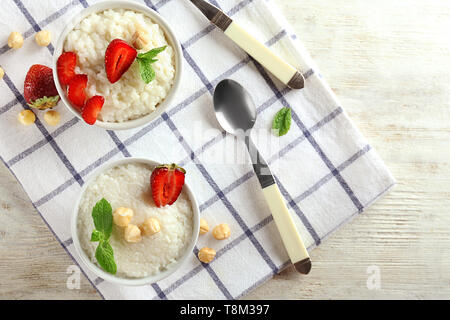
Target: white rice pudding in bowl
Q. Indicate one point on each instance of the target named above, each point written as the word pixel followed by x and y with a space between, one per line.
pixel 127 184
pixel 129 98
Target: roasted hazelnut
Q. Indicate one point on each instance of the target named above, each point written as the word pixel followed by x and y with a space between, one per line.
pixel 43 38
pixel 52 117
pixel 151 226
pixel 206 255
pixel 15 40
pixel 204 227
pixel 222 231
pixel 122 216
pixel 132 233
pixel 27 117
pixel 140 39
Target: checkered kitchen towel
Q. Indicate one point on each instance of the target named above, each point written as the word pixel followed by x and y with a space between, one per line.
pixel 325 169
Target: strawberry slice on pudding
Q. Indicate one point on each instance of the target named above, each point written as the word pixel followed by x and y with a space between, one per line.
pixel 92 109
pixel 65 67
pixel 76 90
pixel 167 181
pixel 119 57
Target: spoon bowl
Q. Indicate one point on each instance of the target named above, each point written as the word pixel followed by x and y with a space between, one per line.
pixel 234 107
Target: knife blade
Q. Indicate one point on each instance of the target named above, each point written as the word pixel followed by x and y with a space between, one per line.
pixel 281 69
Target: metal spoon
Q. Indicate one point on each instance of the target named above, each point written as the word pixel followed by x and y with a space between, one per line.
pixel 236 113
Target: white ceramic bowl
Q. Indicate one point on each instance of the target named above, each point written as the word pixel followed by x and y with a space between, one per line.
pixel 131 281
pixel 171 38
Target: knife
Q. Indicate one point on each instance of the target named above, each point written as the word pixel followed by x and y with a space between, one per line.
pixel 285 72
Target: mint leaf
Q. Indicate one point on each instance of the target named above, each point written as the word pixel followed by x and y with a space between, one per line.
pixel 145 61
pixel 282 121
pixel 148 74
pixel 103 221
pixel 97 236
pixel 105 257
pixel 152 53
pixel 103 218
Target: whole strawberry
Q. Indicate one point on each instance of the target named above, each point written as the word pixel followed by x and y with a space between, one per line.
pixel 39 88
pixel 167 181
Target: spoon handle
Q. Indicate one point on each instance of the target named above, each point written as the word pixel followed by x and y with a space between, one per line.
pixel 289 234
pixel 291 238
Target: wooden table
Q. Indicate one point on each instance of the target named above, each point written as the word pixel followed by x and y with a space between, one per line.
pixel 389 63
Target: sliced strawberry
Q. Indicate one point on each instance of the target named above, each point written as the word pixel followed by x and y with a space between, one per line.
pixel 39 88
pixel 167 181
pixel 76 92
pixel 119 57
pixel 66 67
pixel 92 109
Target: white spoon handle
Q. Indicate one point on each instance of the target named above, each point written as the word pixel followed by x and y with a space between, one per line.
pixel 288 231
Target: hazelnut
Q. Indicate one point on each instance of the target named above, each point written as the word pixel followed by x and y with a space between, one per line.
pixel 27 117
pixel 43 38
pixel 151 226
pixel 2 73
pixel 15 40
pixel 52 117
pixel 132 233
pixel 206 255
pixel 140 39
pixel 204 227
pixel 222 231
pixel 122 216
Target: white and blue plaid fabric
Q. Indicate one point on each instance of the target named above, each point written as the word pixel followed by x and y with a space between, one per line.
pixel 325 169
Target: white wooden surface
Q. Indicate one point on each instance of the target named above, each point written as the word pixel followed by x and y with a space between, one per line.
pixel 389 63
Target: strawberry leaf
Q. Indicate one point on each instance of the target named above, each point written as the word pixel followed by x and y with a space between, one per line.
pixel 44 103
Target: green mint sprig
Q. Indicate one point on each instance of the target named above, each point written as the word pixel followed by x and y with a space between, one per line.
pixel 145 61
pixel 282 121
pixel 103 221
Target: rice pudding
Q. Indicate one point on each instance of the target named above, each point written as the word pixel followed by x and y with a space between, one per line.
pixel 127 185
pixel 129 98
